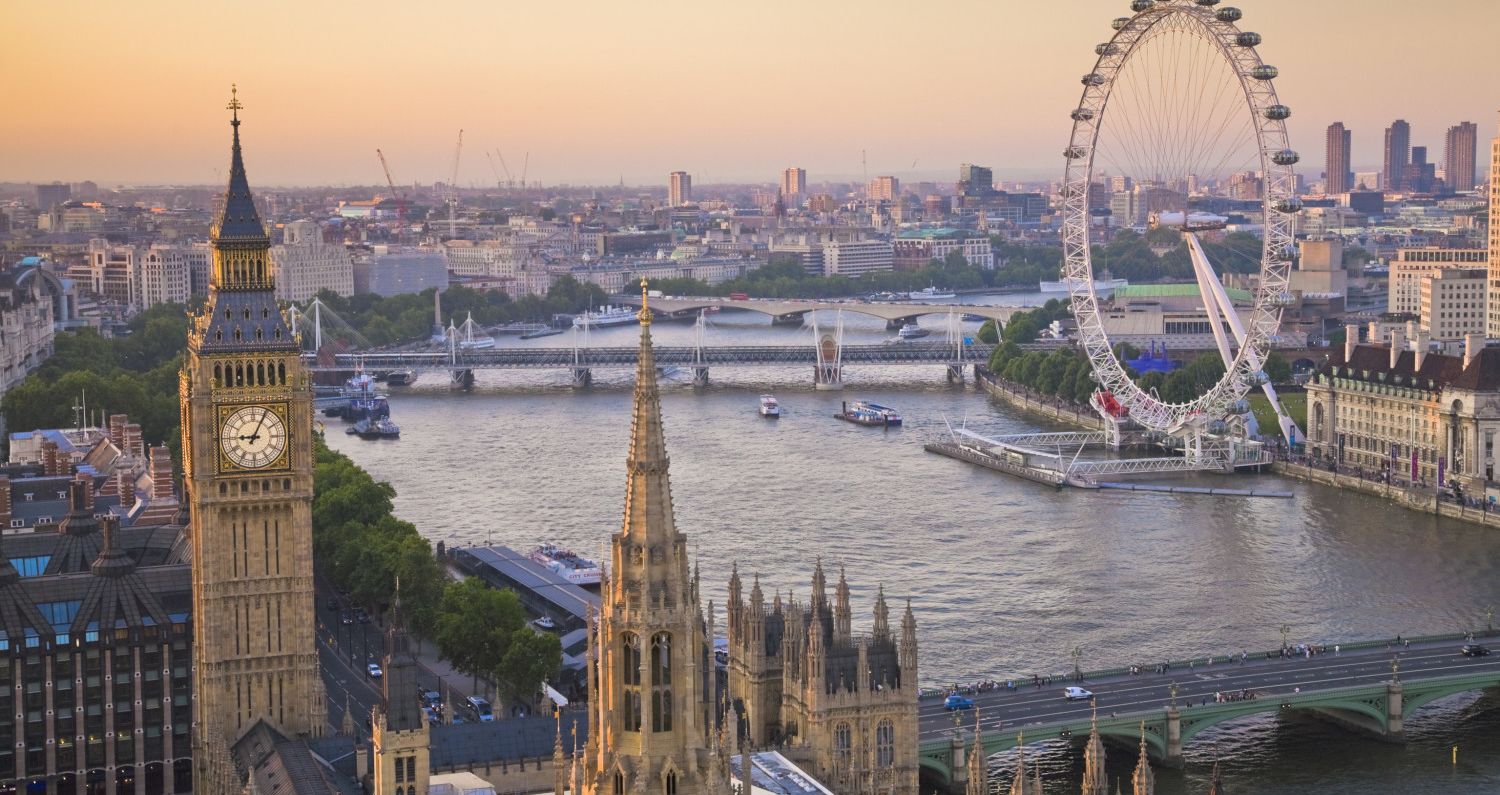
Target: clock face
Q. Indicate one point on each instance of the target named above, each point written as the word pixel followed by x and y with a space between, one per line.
pixel 253 437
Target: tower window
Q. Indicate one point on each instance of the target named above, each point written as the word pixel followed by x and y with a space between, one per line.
pixel 843 748
pixel 885 744
pixel 672 782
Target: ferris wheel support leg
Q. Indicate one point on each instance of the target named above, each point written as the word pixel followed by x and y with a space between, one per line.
pixel 1210 289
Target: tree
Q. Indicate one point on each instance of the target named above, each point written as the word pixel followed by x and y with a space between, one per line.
pixel 530 658
pixel 1277 369
pixel 987 333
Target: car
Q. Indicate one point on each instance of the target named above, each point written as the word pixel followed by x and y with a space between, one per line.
pixel 955 701
pixel 545 622
pixel 346 617
pixel 1475 650
pixel 373 669
pixel 1076 694
pixel 431 698
pixel 432 717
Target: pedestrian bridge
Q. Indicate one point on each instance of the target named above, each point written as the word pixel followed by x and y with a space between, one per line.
pixel 895 313
pixel 1370 687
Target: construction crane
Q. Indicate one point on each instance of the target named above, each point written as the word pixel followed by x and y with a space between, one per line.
pixel 510 181
pixel 400 202
pixel 524 166
pixel 453 188
pixel 499 183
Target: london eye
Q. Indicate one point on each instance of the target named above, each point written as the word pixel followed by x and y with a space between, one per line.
pixel 1193 119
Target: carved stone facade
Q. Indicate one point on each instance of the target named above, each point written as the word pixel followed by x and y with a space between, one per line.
pixel 845 704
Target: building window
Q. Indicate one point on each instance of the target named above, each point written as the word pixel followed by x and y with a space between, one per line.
pixel 672 782
pixel 843 748
pixel 885 744
pixel 630 675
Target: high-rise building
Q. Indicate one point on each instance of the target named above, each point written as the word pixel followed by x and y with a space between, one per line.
pixel 1460 150
pixel 1493 304
pixel 793 184
pixel 1337 177
pixel 1397 154
pixel 679 188
pixel 885 189
pixel 247 465
pixel 304 264
pixel 1420 174
pixel 975 180
pixel 49 196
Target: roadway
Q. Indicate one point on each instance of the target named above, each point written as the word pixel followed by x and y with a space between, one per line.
pixel 1030 706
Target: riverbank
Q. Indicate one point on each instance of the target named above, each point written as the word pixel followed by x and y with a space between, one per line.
pixel 1420 500
pixel 1035 402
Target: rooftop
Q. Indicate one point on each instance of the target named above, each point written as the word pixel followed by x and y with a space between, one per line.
pixel 1185 290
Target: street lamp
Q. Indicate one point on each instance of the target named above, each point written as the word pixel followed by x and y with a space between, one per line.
pixel 1396 670
pixel 1489 619
pixel 1173 689
pixel 1284 631
pixel 1077 655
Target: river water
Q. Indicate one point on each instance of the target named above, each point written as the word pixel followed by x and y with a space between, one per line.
pixel 1005 576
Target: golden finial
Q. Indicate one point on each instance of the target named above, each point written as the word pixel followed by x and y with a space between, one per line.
pixel 645 315
pixel 234 101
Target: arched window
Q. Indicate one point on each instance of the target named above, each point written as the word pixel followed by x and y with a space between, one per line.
pixel 661 709
pixel 280 369
pixel 630 676
pixel 661 659
pixel 843 748
pixel 619 783
pixel 218 375
pixel 671 782
pixel 260 373
pixel 885 744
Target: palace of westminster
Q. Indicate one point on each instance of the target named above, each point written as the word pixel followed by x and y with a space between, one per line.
pixel 169 658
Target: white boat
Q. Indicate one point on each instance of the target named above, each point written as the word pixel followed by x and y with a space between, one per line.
pixel 769 407
pixel 563 562
pixel 927 293
pixel 606 316
pixel 912 331
pixel 1099 284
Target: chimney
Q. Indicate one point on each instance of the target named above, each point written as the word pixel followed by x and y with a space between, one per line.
pixel 1420 344
pixel 126 483
pixel 1473 344
pixel 1351 339
pixel 133 444
pixel 117 430
pixel 161 473
pixel 1398 341
pixel 4 503
pixel 1372 333
pixel 1411 329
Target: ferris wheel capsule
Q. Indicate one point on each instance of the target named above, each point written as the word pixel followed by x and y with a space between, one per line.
pixel 1120 22
pixel 1228 14
pixel 1081 114
pixel 1264 72
pixel 1278 113
pixel 1093 79
pixel 1074 152
pixel 1141 5
pixel 1285 157
pixel 1288 205
pixel 1206 3
pixel 1107 48
pixel 1248 39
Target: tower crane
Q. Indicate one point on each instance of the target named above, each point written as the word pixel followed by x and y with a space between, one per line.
pixel 453 188
pixel 526 164
pixel 510 181
pixel 499 183
pixel 400 202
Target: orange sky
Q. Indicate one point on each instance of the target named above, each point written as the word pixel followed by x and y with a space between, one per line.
pixel 134 92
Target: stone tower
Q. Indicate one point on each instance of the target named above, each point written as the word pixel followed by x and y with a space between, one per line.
pixel 1094 780
pixel 1144 781
pixel 398 739
pixel 247 462
pixel 844 704
pixel 651 715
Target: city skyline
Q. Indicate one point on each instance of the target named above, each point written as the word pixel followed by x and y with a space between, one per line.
pixel 606 112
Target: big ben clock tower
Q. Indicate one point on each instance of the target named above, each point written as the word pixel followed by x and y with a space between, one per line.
pixel 248 461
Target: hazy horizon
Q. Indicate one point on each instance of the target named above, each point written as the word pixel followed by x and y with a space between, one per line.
pixel 597 93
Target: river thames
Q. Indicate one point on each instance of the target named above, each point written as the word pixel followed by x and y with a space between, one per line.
pixel 1005 576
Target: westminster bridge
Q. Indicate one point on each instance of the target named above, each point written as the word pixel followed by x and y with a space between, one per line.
pixel 1369 687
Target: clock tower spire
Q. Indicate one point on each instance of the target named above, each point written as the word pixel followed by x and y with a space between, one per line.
pixel 247 465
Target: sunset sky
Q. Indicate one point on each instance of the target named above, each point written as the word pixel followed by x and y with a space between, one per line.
pixel 596 91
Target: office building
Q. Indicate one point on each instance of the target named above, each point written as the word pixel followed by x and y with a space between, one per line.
pixel 793 185
pixel 1421 175
pixel 679 188
pixel 49 196
pixel 1368 180
pixel 1460 150
pixel 1410 266
pixel 401 272
pixel 885 189
pixel 1337 177
pixel 165 277
pixel 304 264
pixel 914 250
pixel 1452 304
pixel 975 180
pixel 26 330
pixel 112 272
pixel 854 258
pixel 1397 154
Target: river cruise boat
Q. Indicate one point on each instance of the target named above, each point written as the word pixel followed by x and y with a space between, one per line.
pixel 928 293
pixel 565 563
pixel 358 400
pixel 862 412
pixel 912 331
pixel 769 408
pixel 606 316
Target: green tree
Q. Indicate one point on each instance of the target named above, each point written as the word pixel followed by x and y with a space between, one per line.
pixel 987 333
pixel 1277 369
pixel 530 658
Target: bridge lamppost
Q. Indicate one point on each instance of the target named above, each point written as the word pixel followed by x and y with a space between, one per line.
pixel 1173 689
pixel 1489 619
pixel 1285 630
pixel 1077 655
pixel 1396 670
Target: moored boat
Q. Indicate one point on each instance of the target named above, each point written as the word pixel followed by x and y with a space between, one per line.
pixel 862 412
pixel 912 331
pixel 401 377
pixel 567 564
pixel 769 407
pixel 927 293
pixel 381 428
pixel 606 316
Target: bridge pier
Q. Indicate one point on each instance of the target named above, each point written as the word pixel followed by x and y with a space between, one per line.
pixel 1390 727
pixel 955 374
pixel 700 376
pixel 582 377
pixel 959 780
pixel 1172 734
pixel 828 377
pixel 463 379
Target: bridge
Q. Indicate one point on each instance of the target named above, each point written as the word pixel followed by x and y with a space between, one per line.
pixel 1368 687
pixel 826 360
pixel 895 313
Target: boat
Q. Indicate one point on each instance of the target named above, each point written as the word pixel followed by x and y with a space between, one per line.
pixel 862 412
pixel 401 377
pixel 606 316
pixel 381 428
pixel 567 564
pixel 544 331
pixel 769 407
pixel 928 293
pixel 912 331
pixel 359 400
pixel 1099 284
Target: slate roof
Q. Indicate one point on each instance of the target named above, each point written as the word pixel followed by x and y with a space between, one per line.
pixel 280 766
pixel 465 745
pixel 1438 371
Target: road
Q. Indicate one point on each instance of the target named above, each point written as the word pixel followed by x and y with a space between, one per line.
pixel 1268 678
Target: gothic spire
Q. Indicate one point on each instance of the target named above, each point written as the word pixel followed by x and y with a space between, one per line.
pixel 1094 781
pixel 238 220
pixel 979 774
pixel 648 490
pixel 1215 785
pixel 1144 781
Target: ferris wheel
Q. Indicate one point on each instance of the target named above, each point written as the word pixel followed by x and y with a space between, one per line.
pixel 1193 121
